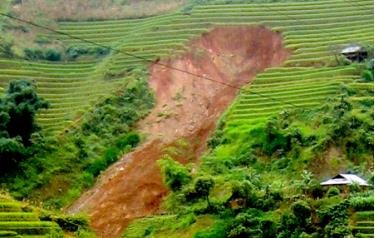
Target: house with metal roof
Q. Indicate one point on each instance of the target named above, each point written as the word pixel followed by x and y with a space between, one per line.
pixel 345 179
pixel 354 52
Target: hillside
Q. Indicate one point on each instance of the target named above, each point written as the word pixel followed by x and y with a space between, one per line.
pixel 19 219
pixel 309 33
pixel 205 85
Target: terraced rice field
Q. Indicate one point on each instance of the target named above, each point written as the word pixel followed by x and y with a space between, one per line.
pixel 69 88
pixel 364 223
pixel 313 30
pixel 16 222
pixel 280 88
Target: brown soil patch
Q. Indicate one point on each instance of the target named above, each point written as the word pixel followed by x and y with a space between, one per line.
pixel 187 107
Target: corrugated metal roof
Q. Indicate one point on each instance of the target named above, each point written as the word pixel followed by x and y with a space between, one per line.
pixel 351 49
pixel 345 179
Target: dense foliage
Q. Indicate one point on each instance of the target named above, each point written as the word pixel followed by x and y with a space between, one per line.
pixel 18 129
pixel 264 183
pixel 68 164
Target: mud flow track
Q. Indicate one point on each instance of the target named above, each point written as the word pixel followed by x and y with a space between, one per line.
pixel 187 107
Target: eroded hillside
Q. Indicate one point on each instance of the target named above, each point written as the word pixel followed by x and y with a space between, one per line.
pixel 187 107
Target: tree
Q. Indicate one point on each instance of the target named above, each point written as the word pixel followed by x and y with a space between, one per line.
pixel 21 102
pixel 175 175
pixel 17 121
pixel 203 186
pixel 6 45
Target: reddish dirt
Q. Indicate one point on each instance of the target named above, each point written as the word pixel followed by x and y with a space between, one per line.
pixel 187 107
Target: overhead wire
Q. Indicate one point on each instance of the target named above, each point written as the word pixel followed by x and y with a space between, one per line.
pixel 153 61
pixel 141 58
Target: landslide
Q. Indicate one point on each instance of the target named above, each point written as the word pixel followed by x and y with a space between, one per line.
pixel 187 107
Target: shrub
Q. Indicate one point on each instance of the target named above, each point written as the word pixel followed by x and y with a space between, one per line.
pixel 316 191
pixel 33 54
pixel 131 139
pixel 42 40
pixel 52 55
pixel 217 231
pixel 335 220
pixel 333 191
pixel 39 54
pixel 245 225
pixel 72 223
pixel 97 166
pixel 74 52
pixel 186 221
pixel 18 110
pixel 203 186
pixel 362 203
pixel 301 210
pixel 333 231
pixel 175 175
pixel 6 47
pixel 269 228
pixel 111 155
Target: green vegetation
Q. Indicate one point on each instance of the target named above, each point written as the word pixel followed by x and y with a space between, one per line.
pixel 260 175
pixel 69 164
pixel 311 34
pixel 23 220
pixel 18 130
pixel 244 183
pixel 92 9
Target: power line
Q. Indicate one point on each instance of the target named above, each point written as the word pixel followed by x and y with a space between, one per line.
pixel 158 63
pixel 139 57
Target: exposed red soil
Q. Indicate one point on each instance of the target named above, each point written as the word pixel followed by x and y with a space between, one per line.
pixel 187 107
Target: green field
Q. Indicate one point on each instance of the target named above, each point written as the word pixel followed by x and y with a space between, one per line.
pixel 17 221
pixel 312 30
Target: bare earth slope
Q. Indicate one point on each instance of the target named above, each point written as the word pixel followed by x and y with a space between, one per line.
pixel 187 107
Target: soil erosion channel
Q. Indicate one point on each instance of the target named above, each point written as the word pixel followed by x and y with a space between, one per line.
pixel 187 107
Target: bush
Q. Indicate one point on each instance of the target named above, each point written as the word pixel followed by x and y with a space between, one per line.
pixel 72 223
pixel 333 191
pixel 333 231
pixel 301 210
pixel 52 55
pixel 33 54
pixel 245 225
pixel 96 167
pixel 316 191
pixel 362 203
pixel 18 109
pixel 74 52
pixel 217 231
pixel 40 54
pixel 6 47
pixel 131 139
pixel 40 39
pixel 111 155
pixel 203 186
pixel 175 175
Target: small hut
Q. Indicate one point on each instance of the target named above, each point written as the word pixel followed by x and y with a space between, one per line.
pixel 354 53
pixel 345 180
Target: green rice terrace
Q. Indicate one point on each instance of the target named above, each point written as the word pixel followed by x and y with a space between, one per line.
pixel 312 30
pixel 198 118
pixel 19 219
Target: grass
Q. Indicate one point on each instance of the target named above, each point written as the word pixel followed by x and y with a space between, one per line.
pixel 15 220
pixel 363 223
pixel 312 30
pixel 160 226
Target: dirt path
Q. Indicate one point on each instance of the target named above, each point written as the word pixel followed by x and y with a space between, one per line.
pixel 187 107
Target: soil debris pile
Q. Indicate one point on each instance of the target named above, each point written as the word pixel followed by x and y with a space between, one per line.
pixel 187 107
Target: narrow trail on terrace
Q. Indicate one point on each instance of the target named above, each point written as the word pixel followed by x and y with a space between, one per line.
pixel 187 107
